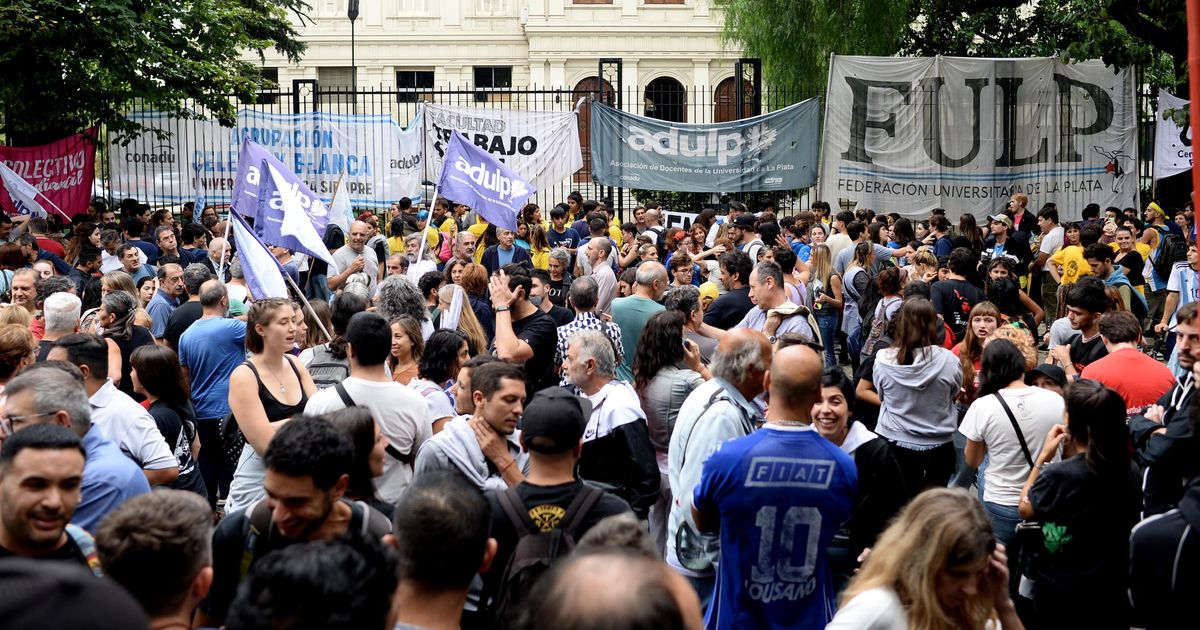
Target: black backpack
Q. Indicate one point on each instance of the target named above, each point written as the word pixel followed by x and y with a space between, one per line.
pixel 536 550
pixel 327 370
pixel 1172 249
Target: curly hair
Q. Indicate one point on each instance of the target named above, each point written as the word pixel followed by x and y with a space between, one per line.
pixel 399 296
pixel 660 345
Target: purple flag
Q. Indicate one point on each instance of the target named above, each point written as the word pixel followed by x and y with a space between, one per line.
pixel 475 177
pixel 285 212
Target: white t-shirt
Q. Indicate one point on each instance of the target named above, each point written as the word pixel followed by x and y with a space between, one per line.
pixel 1183 282
pixel 872 609
pixel 403 418
pixel 1051 244
pixel 1036 411
pixel 439 403
pixel 128 425
pixel 1061 333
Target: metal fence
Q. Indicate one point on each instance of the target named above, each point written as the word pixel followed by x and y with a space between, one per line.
pixel 664 101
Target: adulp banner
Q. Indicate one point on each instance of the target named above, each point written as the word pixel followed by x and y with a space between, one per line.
pixel 776 151
pixel 908 135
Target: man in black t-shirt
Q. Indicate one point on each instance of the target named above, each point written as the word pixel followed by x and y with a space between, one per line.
pixel 308 470
pixel 194 276
pixel 41 474
pixel 1086 302
pixel 954 297
pixel 728 310
pixel 524 333
pixel 552 433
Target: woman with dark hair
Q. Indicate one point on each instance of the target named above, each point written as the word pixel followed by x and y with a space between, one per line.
pixel 445 352
pixel 116 319
pixel 267 389
pixel 1006 295
pixel 969 234
pixel 854 285
pixel 982 321
pixel 327 363
pixel 370 446
pixel 407 347
pixel 319 310
pixel 1007 422
pixel 87 235
pixel 917 381
pixel 881 491
pixel 156 375
pixel 666 368
pixel 454 270
pixel 889 283
pixel 1026 310
pixel 1087 504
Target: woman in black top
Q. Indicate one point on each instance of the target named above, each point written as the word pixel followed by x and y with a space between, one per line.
pixel 265 391
pixel 117 311
pixel 1087 504
pixel 156 375
pixel 1129 258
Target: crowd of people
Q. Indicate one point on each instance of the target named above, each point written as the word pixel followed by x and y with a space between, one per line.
pixel 754 419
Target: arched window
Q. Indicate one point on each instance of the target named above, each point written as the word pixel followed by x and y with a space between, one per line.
pixel 666 100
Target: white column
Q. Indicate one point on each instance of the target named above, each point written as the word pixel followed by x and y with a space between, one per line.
pixel 558 74
pixel 556 7
pixel 537 73
pixel 631 90
pixel 629 7
pixel 702 92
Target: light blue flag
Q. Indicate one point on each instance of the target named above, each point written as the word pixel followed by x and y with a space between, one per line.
pixel 475 177
pixel 264 276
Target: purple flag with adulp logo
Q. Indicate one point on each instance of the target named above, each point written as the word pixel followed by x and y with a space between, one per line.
pixel 286 212
pixel 475 177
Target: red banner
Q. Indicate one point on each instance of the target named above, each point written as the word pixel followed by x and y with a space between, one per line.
pixel 62 171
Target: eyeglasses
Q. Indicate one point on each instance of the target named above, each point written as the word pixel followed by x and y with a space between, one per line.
pixel 11 423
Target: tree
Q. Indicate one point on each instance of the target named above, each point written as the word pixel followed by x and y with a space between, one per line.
pixel 68 64
pixel 794 39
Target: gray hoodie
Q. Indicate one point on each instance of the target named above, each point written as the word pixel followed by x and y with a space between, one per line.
pixel 917 401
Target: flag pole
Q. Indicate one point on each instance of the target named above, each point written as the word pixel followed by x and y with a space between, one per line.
pixel 225 247
pixel 424 240
pixel 307 305
pixel 53 205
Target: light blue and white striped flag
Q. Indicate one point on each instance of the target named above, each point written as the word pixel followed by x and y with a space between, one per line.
pixel 264 276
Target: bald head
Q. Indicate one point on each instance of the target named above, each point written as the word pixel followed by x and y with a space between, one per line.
pixel 653 216
pixel 616 589
pixel 794 382
pixel 215 247
pixel 742 358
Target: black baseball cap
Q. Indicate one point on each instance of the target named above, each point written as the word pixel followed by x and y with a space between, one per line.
pixel 744 220
pixel 1052 372
pixel 554 421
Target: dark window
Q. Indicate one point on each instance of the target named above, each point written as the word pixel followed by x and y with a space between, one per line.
pixel 491 77
pixel 268 94
pixel 411 84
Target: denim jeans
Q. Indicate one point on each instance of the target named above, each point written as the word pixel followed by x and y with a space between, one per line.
pixel 827 323
pixel 1004 520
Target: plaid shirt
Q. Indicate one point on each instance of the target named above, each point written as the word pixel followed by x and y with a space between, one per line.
pixel 588 321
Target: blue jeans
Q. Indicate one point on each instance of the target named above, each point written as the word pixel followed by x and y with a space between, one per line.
pixel 1004 520
pixel 827 323
pixel 704 589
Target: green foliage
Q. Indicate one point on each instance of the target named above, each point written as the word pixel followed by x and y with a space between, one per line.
pixel 69 64
pixel 794 39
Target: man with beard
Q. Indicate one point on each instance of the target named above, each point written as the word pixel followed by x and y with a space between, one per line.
pixel 308 469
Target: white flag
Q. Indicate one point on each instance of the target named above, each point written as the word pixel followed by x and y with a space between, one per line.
pixel 296 223
pixel 263 276
pixel 339 207
pixel 22 193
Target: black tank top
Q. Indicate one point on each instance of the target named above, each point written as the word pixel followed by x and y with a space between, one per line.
pixel 274 409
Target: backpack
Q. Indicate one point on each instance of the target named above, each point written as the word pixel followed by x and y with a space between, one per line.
pixel 327 370
pixel 536 551
pixel 87 548
pixel 660 235
pixel 1172 248
pixel 257 530
pixel 879 326
pixel 444 248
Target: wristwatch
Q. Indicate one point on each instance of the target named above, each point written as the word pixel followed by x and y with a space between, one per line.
pixel 501 309
pixel 772 339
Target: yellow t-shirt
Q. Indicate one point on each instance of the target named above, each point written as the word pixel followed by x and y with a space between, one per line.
pixel 614 231
pixel 396 245
pixel 1070 258
pixel 449 226
pixel 541 259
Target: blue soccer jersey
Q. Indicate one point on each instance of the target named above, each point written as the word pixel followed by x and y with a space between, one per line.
pixel 781 494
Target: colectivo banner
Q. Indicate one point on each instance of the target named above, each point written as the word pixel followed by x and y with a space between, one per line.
pixel 61 171
pixel 908 135
pixel 380 161
pixel 775 151
pixel 543 147
pixel 1172 142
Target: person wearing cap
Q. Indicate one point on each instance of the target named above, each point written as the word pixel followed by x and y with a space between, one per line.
pixel 1157 227
pixel 1003 241
pixel 755 490
pixel 484 447
pixel 552 436
pixel 741 232
pixel 1048 377
pixel 617 452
